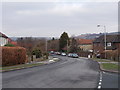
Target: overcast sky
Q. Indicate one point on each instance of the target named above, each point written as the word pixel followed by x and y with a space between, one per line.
pixel 50 19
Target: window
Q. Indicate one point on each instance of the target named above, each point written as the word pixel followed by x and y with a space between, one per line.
pixel 109 44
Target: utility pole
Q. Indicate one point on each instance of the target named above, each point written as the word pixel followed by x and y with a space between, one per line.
pixel 67 46
pixel 46 45
pixel 104 38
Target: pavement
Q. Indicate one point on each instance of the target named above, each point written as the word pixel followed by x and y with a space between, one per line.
pixel 66 73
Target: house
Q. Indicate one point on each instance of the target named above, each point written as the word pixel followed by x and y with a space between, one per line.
pixel 112 44
pixel 86 47
pixel 3 39
pixel 85 44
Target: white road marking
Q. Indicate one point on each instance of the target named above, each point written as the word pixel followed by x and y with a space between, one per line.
pixel 99 87
pixel 100 83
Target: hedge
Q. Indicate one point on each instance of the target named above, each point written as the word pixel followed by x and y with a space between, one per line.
pixel 13 56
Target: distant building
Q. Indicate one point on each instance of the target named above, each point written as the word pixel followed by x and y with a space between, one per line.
pixel 85 44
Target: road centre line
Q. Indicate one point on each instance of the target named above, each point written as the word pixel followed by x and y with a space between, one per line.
pixel 100 81
pixel 99 87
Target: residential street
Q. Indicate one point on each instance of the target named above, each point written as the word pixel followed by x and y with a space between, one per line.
pixel 66 73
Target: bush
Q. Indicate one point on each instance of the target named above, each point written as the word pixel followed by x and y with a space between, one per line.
pixel 46 55
pixel 9 45
pixel 37 52
pixel 113 55
pixel 13 56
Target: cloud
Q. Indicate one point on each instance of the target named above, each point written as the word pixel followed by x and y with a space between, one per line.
pixel 47 19
pixel 58 9
pixel 60 0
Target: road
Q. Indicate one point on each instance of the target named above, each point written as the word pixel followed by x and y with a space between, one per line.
pixel 110 80
pixel 66 73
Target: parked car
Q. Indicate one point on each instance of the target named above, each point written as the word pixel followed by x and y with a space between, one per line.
pixel 63 54
pixel 57 53
pixel 74 55
pixel 98 55
pixel 70 55
pixel 52 53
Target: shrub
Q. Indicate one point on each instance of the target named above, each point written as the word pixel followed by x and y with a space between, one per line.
pixel 13 56
pixel 37 52
pixel 9 45
pixel 113 55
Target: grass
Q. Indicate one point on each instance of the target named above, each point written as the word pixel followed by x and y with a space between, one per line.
pixel 110 66
pixel 103 60
pixel 20 66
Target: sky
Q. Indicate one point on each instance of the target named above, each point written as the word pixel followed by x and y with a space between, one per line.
pixel 50 18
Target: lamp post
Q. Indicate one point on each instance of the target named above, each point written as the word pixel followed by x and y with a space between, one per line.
pixel 46 45
pixel 104 37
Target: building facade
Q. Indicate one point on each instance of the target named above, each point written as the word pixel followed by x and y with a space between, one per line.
pixel 3 39
pixel 85 44
pixel 112 44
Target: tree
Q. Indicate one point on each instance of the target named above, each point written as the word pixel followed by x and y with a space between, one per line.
pixel 37 52
pixel 28 43
pixel 53 39
pixel 63 41
pixel 53 45
pixel 74 46
pixel 32 44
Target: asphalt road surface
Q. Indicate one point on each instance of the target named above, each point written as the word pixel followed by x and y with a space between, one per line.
pixel 110 80
pixel 66 73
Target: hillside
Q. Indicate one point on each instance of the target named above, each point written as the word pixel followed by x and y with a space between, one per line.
pixel 94 35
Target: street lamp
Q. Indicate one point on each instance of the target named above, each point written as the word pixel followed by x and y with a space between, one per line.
pixel 104 36
pixel 46 45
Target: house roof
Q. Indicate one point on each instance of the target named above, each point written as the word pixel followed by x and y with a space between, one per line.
pixel 14 43
pixel 85 41
pixel 109 38
pixel 3 35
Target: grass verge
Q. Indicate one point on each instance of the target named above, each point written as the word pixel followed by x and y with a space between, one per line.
pixel 7 68
pixel 102 60
pixel 110 66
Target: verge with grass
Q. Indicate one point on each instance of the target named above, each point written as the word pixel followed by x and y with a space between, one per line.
pixel 19 66
pixel 102 60
pixel 110 66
